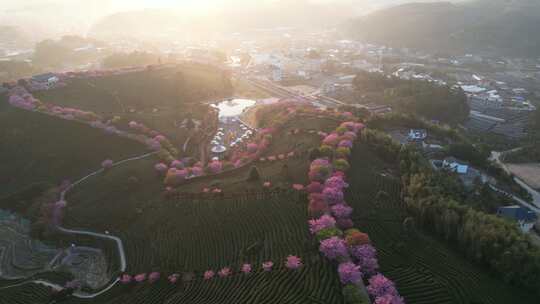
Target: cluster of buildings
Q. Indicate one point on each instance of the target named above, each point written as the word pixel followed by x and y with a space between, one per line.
pixel 407 71
pixel 465 172
pixel 524 218
pixel 497 94
pixel 497 108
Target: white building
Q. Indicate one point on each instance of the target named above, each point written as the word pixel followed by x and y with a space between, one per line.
pixel 417 134
pixel 455 166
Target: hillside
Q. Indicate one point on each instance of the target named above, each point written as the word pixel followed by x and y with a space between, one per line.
pixel 425 268
pixel 415 97
pixel 494 27
pixel 158 97
pixel 36 148
pixel 188 233
pixel 128 24
pixel 39 148
pixel 144 24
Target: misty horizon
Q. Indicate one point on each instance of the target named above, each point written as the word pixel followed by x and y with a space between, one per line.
pixel 51 18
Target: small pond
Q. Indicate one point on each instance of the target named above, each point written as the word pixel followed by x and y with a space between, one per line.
pixel 232 131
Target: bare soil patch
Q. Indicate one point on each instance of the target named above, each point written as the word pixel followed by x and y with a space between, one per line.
pixel 529 173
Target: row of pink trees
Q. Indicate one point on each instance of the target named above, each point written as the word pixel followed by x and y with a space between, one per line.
pixel 332 225
pixel 175 173
pixel 292 262
pixel 19 97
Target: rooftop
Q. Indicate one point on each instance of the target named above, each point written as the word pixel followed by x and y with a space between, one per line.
pixel 43 77
pixel 517 213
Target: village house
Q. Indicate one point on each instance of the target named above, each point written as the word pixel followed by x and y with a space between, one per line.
pixel 48 79
pixel 417 134
pixel 467 174
pixel 452 164
pixel 524 217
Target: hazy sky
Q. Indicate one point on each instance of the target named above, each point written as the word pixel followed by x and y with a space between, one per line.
pixel 63 13
pixel 137 4
pixel 53 17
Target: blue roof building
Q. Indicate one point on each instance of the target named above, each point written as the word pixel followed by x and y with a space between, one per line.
pixel 43 77
pixel 523 216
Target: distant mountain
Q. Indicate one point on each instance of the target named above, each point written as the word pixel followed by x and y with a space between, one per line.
pixel 155 22
pixel 13 35
pixel 137 24
pixel 505 27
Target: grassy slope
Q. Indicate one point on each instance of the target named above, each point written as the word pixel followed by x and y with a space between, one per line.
pixel 25 294
pixel 38 148
pixel 171 236
pixel 273 171
pixel 424 268
pixel 121 203
pixel 141 90
pixel 157 98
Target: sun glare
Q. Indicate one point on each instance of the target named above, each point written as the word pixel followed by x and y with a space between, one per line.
pixel 194 5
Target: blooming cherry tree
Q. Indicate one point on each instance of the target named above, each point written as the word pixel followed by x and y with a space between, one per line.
pixel 324 222
pixel 379 286
pixel 267 266
pixel 246 268
pixel 209 274
pixel 173 278
pixel 125 279
pixel 293 262
pixel 225 272
pixel 140 277
pixel 349 273
pixel 153 277
pixel 333 248
pixel 107 164
pixel 389 299
pixel 341 211
pixel 333 195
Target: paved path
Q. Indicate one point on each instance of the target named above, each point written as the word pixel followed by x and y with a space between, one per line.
pixel 186 143
pixel 118 241
pixel 519 200
pixel 535 195
pixel 40 282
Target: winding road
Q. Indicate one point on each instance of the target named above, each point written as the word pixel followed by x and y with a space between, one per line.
pixel 118 241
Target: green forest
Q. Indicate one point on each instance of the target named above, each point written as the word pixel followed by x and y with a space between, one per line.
pixel 429 100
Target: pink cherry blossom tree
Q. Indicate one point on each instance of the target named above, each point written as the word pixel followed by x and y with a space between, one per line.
pixel 246 268
pixel 293 262
pixel 333 248
pixel 267 266
pixel 349 273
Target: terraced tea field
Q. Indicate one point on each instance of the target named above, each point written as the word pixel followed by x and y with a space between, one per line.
pixel 194 236
pixel 315 284
pixel 202 234
pixel 38 148
pixel 26 293
pixel 425 269
pixel 160 98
